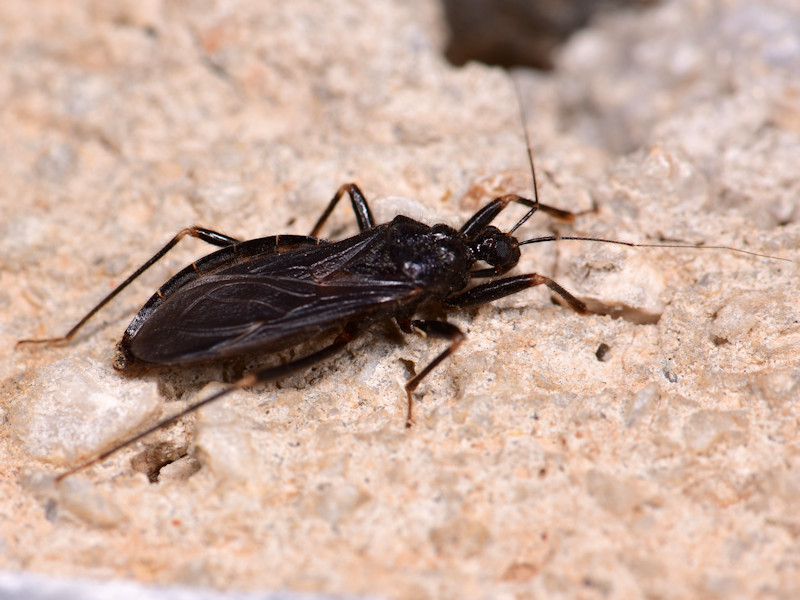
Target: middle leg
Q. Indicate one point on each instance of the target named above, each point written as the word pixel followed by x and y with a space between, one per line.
pixel 360 208
pixel 438 329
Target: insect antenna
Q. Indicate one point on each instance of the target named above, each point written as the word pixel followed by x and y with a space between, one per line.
pixel 570 216
pixel 556 238
pixel 535 205
pixel 524 120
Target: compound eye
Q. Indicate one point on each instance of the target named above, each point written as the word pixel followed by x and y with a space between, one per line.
pixel 507 250
pixel 503 250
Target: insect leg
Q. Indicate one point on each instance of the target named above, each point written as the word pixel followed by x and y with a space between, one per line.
pixel 478 222
pixel 493 290
pixel 207 235
pixel 250 379
pixel 439 329
pixel 360 207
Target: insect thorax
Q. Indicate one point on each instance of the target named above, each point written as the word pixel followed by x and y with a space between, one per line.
pixel 436 258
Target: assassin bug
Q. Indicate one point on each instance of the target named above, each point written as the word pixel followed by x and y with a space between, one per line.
pixel 272 293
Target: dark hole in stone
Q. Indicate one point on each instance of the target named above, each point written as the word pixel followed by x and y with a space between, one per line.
pixel 602 353
pixel 155 457
pixel 719 341
pixel 410 366
pixel 519 33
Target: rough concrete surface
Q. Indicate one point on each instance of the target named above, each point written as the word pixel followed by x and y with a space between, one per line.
pixel 666 465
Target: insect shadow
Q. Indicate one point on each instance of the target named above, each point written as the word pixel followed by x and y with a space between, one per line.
pixel 272 293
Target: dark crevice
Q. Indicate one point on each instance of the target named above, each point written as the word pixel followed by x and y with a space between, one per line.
pixel 519 33
pixel 157 456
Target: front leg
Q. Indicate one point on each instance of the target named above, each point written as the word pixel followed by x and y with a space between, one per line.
pixel 494 290
pixel 438 329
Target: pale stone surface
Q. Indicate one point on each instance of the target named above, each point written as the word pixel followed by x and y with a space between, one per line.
pixel 75 407
pixel 670 469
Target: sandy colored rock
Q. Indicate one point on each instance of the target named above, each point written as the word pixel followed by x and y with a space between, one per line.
pixel 669 469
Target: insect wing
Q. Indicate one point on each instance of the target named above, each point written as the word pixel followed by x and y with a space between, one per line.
pixel 268 302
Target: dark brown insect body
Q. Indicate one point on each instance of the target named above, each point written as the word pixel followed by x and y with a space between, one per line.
pixel 271 293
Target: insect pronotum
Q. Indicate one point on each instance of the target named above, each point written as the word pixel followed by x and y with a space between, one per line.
pixel 287 289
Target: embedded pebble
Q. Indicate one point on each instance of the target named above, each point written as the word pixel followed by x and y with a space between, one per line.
pixel 708 430
pixel 777 388
pixel 616 281
pixel 224 442
pixel 77 407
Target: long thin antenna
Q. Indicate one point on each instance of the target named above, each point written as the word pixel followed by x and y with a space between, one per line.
pixel 556 238
pixel 524 120
pixel 553 238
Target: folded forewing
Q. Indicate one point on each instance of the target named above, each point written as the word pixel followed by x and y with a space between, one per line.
pixel 269 302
